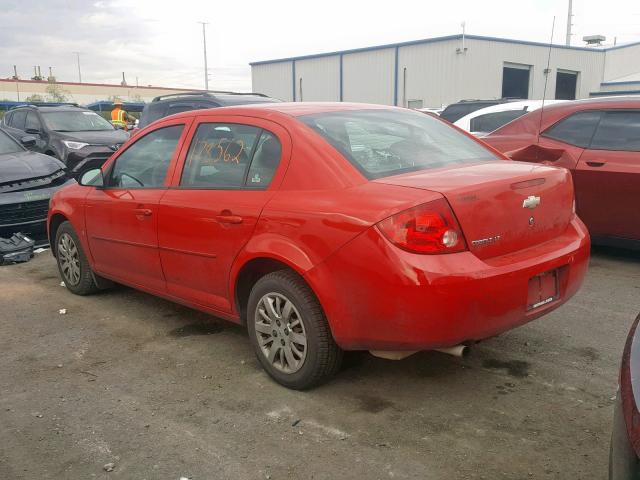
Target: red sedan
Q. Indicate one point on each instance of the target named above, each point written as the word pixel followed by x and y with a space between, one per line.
pixel 599 141
pixel 326 227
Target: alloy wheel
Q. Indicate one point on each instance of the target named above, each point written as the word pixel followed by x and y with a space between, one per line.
pixel 280 332
pixel 69 259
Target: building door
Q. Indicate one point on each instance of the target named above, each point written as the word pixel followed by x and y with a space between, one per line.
pixel 566 83
pixel 515 80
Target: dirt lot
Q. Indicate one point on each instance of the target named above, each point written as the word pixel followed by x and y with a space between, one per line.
pixel 164 392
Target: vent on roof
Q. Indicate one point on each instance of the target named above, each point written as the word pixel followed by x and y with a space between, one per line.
pixel 594 40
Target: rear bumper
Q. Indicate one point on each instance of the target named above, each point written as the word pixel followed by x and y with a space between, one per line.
pixel 378 297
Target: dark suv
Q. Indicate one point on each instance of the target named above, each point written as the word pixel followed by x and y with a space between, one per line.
pixel 166 105
pixel 82 139
pixel 456 111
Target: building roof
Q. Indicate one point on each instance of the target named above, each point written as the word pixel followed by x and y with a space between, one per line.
pixel 441 39
pixel 627 79
pixel 85 84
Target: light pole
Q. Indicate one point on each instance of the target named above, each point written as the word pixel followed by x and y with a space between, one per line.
pixel 79 73
pixel 204 42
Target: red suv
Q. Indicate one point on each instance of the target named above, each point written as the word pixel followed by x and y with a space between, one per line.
pixel 599 141
pixel 325 227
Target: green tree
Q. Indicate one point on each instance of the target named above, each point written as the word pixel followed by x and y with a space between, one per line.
pixel 55 93
pixel 34 98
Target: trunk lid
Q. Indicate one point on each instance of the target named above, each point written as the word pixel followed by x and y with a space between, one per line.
pixel 501 206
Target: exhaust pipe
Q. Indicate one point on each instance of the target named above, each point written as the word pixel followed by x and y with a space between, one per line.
pixel 456 350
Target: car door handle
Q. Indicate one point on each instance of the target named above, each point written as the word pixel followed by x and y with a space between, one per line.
pixel 145 212
pixel 233 219
pixel 595 164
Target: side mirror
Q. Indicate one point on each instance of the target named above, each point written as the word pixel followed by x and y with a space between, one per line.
pixel 28 140
pixel 92 178
pixel 32 131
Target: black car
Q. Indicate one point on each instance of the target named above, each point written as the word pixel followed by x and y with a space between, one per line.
pixel 624 455
pixel 27 180
pixel 456 111
pixel 166 105
pixel 79 137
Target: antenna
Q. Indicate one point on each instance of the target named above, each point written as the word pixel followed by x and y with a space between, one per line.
pixel 463 49
pixel 547 71
pixel 569 24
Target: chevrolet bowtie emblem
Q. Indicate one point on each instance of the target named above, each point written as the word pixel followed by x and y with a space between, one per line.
pixel 531 202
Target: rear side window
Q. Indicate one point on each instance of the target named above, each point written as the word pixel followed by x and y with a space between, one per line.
pixel 618 131
pixel 231 156
pixel 576 129
pixel 388 142
pixel 18 118
pixel 145 163
pixel 151 113
pixel 454 113
pixel 178 108
pixel 492 121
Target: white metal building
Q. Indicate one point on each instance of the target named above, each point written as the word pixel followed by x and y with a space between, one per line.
pixel 439 71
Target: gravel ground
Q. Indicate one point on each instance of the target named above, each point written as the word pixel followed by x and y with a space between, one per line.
pixel 162 392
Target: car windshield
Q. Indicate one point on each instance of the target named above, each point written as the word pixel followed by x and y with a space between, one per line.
pixel 79 121
pixel 8 144
pixel 388 142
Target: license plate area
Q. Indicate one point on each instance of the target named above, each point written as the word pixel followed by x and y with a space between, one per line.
pixel 543 289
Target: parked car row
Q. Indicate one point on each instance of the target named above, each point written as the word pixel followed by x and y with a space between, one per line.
pixel 45 147
pixel 328 227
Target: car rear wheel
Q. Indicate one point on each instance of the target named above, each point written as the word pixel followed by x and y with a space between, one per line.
pixel 289 331
pixel 72 262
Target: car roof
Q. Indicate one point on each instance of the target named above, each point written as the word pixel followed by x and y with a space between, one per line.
pixel 290 109
pixel 529 105
pixel 214 96
pixel 619 101
pixel 60 108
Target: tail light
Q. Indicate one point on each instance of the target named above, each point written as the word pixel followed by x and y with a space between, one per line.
pixel 430 228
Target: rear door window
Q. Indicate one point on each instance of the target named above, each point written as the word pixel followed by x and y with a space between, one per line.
pixel 618 131
pixel 492 121
pixel 577 129
pixel 231 156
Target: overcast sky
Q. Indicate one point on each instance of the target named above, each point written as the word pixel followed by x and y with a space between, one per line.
pixel 160 42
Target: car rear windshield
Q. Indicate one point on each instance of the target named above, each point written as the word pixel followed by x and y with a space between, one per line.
pixel 8 144
pixel 381 143
pixel 80 121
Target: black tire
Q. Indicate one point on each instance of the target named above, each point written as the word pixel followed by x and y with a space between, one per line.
pixel 85 283
pixel 323 356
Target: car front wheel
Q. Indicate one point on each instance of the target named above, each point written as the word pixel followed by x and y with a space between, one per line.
pixel 72 262
pixel 289 331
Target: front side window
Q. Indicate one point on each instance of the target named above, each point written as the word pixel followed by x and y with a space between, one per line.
pixel 492 121
pixel 8 144
pixel 228 156
pixel 145 163
pixel 389 142
pixel 618 131
pixel 75 121
pixel 32 122
pixel 576 129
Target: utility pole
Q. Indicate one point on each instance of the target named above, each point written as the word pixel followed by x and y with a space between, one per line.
pixel 79 73
pixel 569 24
pixel 206 69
